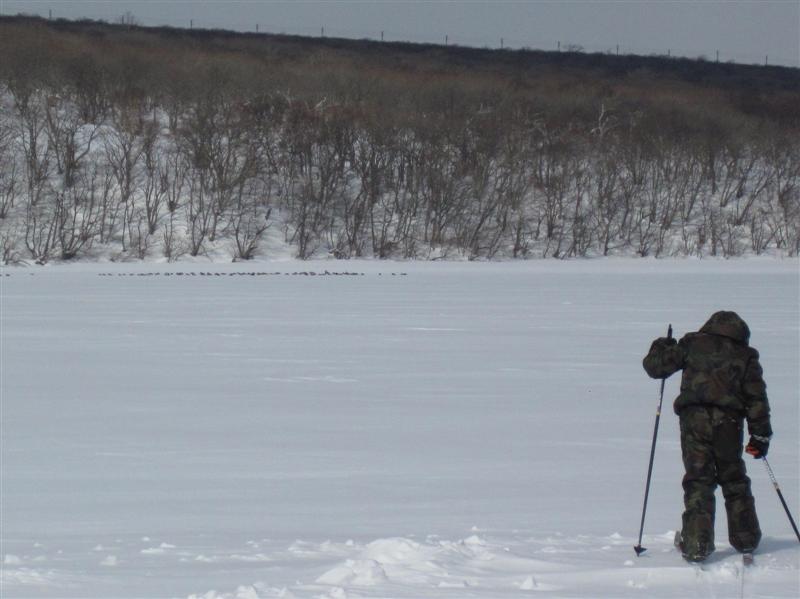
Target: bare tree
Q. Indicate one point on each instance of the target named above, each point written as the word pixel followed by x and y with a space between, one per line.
pixel 480 225
pixel 250 220
pixel 9 252
pixel 41 230
pixel 393 216
pixel 782 197
pixel 9 171
pixel 444 192
pixel 316 164
pixel 31 139
pixel 69 137
pixel 369 163
pixel 217 139
pixel 85 77
pixel 552 174
pixel 581 231
pixel 173 247
pixel 199 212
pixel 123 151
pixel 172 172
pixel 155 184
pixel 77 214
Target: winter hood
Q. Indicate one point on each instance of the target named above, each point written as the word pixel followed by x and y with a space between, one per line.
pixel 727 324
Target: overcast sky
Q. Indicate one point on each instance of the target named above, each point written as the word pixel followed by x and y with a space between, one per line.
pixel 741 30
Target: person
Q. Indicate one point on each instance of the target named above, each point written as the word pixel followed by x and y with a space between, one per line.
pixel 722 385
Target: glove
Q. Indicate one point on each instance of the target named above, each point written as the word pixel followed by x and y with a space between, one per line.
pixel 757 446
pixel 659 363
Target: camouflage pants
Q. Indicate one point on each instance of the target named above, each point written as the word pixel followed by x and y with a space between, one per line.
pixel 711 442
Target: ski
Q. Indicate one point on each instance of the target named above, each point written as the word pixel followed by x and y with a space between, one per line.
pixel 747 561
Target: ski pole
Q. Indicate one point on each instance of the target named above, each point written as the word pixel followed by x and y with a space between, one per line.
pixel 638 548
pixel 780 496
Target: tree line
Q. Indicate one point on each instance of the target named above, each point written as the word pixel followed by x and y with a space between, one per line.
pixel 164 143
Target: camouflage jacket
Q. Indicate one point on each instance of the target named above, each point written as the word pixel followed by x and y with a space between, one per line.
pixel 719 369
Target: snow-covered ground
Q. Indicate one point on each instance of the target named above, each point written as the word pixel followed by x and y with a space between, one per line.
pixel 410 430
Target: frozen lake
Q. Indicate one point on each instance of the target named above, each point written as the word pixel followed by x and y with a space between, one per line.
pixel 403 430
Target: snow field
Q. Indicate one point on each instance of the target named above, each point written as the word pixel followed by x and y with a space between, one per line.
pixel 464 430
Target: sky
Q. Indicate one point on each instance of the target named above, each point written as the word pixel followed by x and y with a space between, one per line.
pixel 743 31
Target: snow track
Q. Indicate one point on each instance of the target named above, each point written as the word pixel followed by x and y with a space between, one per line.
pixel 480 566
